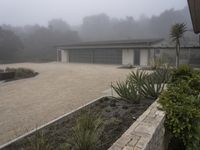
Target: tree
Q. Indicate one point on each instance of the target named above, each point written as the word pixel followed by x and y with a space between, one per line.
pixel 177 32
pixel 9 45
pixel 58 25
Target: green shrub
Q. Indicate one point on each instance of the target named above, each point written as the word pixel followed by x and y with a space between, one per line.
pixel 182 107
pixel 183 72
pixel 22 72
pixel 181 102
pixel 87 132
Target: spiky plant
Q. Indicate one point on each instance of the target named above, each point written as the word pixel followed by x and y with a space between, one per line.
pixel 39 142
pixel 87 132
pixel 150 85
pixel 176 33
pixel 127 91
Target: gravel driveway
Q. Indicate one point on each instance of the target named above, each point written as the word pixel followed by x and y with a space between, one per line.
pixel 58 89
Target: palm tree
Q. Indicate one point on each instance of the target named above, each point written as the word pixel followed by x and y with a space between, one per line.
pixel 177 32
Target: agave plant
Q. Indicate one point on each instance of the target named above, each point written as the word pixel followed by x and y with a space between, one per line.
pixel 127 91
pixel 141 84
pixel 150 85
pixel 162 75
pixel 87 132
pixel 137 78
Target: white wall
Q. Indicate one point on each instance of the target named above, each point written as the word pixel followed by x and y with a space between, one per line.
pixel 144 57
pixel 127 57
pixel 64 56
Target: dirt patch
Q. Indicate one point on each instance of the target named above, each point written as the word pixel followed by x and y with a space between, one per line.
pixel 118 115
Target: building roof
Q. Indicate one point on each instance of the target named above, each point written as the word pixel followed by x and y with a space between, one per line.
pixel 194 6
pixel 125 44
pixel 112 44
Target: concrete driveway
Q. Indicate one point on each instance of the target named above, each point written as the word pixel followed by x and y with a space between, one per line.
pixel 58 89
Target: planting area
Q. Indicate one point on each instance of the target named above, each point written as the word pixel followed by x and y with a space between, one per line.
pixel 116 114
pixel 56 90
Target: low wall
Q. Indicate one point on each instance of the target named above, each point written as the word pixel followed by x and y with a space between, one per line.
pixel 146 133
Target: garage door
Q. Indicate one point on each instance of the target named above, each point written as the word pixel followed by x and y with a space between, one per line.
pixel 80 56
pixel 98 56
pixel 108 56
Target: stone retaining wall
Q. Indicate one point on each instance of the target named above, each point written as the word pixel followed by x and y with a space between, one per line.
pixel 146 133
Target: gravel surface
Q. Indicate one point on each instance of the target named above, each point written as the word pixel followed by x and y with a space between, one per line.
pixel 59 88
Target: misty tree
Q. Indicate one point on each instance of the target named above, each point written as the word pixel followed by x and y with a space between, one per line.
pixel 58 25
pixel 39 40
pixel 177 32
pixel 95 27
pixel 10 43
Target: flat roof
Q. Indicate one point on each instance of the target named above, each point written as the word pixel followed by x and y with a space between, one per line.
pixel 112 44
pixel 194 6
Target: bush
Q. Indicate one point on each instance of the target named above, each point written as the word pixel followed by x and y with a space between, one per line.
pixel 182 107
pixel 184 72
pixel 194 82
pixel 181 102
pixel 22 72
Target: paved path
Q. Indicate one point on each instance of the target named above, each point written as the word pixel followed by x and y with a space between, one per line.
pixel 58 89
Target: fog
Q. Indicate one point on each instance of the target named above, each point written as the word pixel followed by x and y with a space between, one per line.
pixel 21 12
pixel 29 29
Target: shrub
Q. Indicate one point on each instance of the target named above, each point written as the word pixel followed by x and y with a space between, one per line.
pixel 87 132
pixel 22 72
pixel 184 72
pixel 181 102
pixel 194 82
pixel 182 107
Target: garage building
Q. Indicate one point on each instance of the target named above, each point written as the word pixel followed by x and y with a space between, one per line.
pixel 133 52
pixel 126 52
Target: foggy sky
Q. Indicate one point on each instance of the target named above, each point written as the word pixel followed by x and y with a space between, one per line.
pixel 21 12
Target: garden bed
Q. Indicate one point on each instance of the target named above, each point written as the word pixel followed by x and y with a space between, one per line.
pixel 10 74
pixel 117 116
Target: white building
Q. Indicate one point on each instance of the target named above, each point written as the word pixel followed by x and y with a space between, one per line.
pixel 127 52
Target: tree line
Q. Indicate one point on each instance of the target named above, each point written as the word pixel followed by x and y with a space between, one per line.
pixel 36 42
